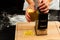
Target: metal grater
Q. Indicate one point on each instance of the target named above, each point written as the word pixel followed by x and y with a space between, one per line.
pixel 41 23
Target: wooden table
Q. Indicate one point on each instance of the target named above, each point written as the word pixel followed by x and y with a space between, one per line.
pixel 25 31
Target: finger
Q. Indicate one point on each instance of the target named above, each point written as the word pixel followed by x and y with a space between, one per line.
pixel 41 4
pixel 28 15
pixel 28 19
pixel 44 9
pixel 40 1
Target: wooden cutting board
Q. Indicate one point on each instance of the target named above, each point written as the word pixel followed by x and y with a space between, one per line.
pixel 26 31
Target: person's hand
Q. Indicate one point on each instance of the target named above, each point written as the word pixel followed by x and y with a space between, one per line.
pixel 29 9
pixel 43 6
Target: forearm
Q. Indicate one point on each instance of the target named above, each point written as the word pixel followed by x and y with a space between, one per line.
pixel 30 2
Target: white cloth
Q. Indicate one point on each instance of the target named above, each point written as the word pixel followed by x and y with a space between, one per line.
pixel 25 5
pixel 54 5
pixel 16 18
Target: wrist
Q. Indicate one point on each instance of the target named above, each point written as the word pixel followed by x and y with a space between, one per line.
pixel 32 4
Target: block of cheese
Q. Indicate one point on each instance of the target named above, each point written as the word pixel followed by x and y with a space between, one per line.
pixel 33 14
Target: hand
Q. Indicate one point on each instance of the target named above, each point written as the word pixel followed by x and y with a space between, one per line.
pixel 43 6
pixel 32 9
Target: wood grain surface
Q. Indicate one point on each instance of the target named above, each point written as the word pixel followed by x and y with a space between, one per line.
pixel 26 31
